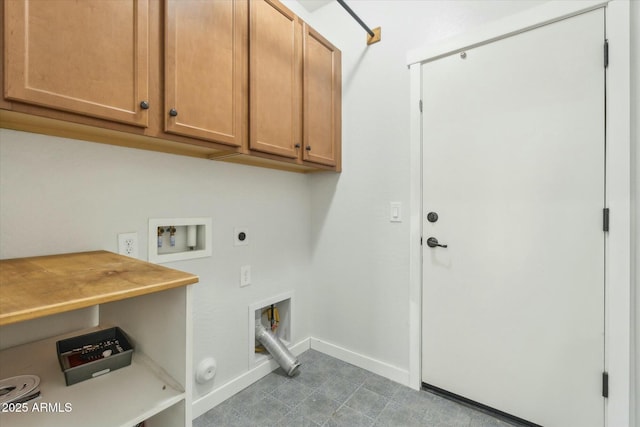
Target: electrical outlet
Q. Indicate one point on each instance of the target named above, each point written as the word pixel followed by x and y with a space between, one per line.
pixel 128 244
pixel 245 275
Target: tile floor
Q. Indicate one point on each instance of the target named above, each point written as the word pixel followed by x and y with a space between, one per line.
pixel 329 392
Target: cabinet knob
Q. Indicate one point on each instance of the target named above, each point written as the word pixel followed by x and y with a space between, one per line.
pixel 297 145
pixel 144 105
pixel 173 112
pixel 308 148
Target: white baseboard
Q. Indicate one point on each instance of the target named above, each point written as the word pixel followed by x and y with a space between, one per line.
pixel 377 367
pixel 225 391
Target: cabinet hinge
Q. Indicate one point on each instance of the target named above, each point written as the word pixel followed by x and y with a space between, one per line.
pixel 606 53
pixel 420 105
pixel 420 240
pixel 605 219
pixel 605 384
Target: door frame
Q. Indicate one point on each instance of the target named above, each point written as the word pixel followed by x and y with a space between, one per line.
pixel 617 185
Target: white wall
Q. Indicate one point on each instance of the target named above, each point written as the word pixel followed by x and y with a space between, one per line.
pixel 59 195
pixel 635 189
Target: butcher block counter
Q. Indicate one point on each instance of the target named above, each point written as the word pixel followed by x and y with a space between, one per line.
pixel 40 286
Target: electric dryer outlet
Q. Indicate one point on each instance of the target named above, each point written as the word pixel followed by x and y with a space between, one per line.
pixel 240 236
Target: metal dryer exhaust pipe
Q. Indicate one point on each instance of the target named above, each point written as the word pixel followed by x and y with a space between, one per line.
pixel 280 353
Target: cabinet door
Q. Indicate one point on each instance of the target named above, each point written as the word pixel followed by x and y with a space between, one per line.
pixel 206 69
pixel 322 99
pixel 87 57
pixel 275 79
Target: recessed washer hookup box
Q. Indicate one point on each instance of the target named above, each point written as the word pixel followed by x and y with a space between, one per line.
pixel 94 354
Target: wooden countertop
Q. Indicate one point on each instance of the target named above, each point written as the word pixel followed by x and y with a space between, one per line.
pixel 41 286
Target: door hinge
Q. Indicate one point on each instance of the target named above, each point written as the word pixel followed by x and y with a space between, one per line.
pixel 420 105
pixel 606 53
pixel 605 384
pixel 605 219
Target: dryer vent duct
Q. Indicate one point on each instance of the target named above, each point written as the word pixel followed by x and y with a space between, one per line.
pixel 278 351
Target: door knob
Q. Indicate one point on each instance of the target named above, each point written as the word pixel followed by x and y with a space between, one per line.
pixel 432 242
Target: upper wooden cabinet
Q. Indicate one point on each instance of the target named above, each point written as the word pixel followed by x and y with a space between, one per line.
pixel 206 69
pixel 275 79
pixel 244 81
pixel 322 117
pixel 88 57
pixel 295 87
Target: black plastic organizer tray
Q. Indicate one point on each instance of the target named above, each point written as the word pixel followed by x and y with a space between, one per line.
pixel 94 354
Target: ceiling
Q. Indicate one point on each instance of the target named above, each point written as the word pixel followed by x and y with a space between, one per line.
pixel 312 5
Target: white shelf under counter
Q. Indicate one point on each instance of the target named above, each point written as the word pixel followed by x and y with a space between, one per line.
pixel 123 397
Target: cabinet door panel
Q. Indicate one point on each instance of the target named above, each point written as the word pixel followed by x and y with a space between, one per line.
pixel 322 99
pixel 206 71
pixel 85 57
pixel 275 79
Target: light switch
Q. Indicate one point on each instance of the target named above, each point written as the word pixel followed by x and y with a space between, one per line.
pixel 395 211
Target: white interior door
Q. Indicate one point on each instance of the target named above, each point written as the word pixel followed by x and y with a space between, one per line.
pixel 513 164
